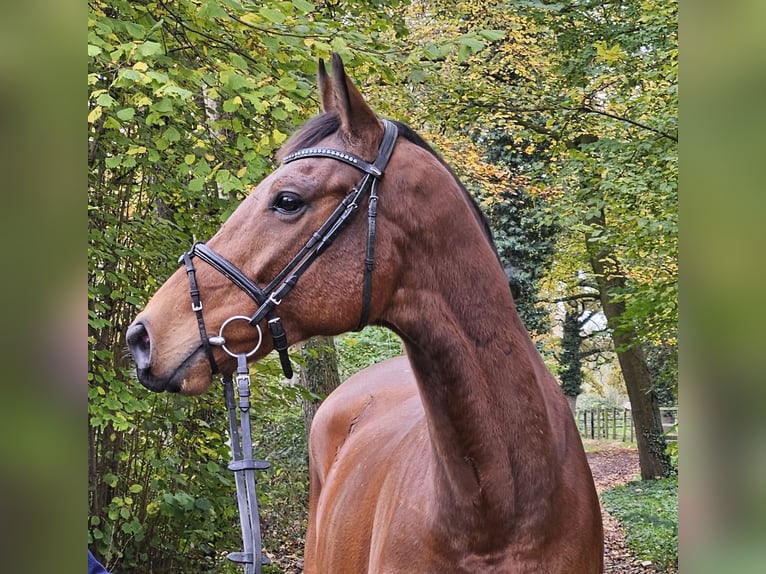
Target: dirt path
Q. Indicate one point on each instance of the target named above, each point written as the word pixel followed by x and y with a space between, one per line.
pixel 612 466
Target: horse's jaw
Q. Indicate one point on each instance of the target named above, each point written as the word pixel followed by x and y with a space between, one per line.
pixel 191 377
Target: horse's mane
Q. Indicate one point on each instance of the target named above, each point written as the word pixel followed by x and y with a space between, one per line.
pixel 326 124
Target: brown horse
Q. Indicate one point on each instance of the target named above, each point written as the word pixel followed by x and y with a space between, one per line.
pixel 462 456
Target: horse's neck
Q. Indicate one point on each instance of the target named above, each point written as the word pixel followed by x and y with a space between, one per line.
pixel 482 385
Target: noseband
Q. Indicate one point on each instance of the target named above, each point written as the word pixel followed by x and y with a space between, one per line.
pixel 269 297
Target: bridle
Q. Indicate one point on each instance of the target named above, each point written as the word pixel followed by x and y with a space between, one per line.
pixel 268 299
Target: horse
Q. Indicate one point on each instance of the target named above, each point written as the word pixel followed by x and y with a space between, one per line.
pixel 461 455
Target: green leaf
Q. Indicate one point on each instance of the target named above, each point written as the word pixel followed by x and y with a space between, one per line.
pixel 417 76
pixel 106 101
pixel 129 74
pixel 182 93
pixel 278 136
pixel 147 49
pixel 304 6
pixel 196 184
pixel 287 83
pixel 232 104
pixel 172 134
pixel 473 44
pixel 234 80
pixel 272 15
pixel 278 113
pixel 492 35
pixel 126 114
pixel 114 161
pixel 135 30
pixel 211 9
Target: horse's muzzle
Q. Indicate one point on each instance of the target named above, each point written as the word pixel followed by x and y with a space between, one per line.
pixel 140 346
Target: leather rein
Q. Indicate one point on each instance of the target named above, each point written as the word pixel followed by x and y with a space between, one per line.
pixel 268 299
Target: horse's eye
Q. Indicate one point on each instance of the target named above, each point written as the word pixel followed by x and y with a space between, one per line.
pixel 288 203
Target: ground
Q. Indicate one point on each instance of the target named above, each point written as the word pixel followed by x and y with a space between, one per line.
pixel 613 465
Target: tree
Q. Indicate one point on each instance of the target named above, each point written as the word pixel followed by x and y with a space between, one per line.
pixel 593 88
pixel 188 101
pixel 524 234
pixel 653 457
pixel 573 352
pixel 318 375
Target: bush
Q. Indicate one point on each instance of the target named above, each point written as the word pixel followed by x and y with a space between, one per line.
pixel 648 511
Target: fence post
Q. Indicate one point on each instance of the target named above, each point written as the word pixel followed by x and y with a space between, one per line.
pixel 624 424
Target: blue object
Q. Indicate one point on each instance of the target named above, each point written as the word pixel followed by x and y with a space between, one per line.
pixel 94 567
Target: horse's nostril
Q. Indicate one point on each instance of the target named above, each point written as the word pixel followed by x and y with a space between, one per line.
pixel 139 345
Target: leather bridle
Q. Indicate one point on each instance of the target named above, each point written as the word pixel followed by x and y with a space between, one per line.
pixel 268 298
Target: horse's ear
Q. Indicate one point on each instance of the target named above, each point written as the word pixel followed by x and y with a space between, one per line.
pixel 326 98
pixel 357 118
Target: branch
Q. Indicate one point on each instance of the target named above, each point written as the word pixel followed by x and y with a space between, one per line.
pixel 585 108
pixel 584 320
pixel 592 110
pixel 585 354
pixel 592 296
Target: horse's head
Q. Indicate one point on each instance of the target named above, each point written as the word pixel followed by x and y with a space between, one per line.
pixel 278 218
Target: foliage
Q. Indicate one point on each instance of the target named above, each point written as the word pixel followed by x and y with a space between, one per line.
pixel 283 489
pixel 648 511
pixel 525 241
pixel 187 103
pixel 360 349
pixel 571 373
pixel 588 92
pixel 662 360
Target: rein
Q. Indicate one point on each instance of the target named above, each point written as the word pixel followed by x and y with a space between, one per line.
pixel 268 299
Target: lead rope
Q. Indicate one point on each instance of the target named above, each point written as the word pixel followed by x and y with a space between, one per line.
pixel 244 466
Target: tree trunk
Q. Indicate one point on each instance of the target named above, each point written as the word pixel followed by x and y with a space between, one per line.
pixel 319 375
pixel 653 458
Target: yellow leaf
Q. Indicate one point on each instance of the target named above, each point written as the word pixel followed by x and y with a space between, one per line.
pixel 251 18
pixel 142 100
pixel 242 171
pixel 209 157
pixel 95 114
pixel 278 136
pixel 140 66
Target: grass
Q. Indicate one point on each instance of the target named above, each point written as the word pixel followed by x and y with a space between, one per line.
pixel 595 445
pixel 648 511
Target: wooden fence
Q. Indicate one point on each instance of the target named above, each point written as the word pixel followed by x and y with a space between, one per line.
pixel 617 423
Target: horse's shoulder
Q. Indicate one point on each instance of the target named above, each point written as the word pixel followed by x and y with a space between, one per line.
pixel 364 402
pixel 389 381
